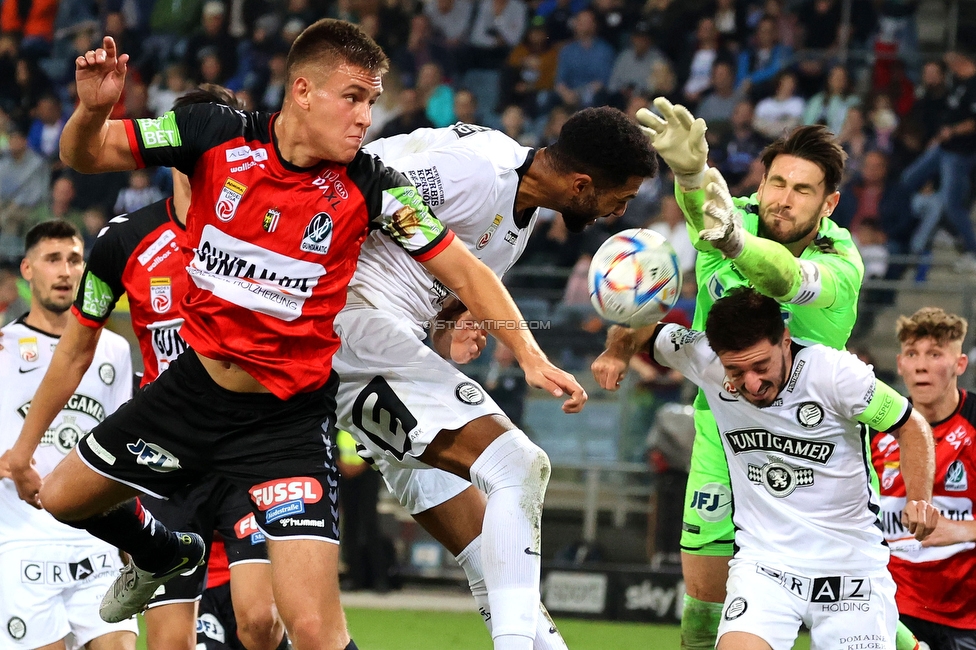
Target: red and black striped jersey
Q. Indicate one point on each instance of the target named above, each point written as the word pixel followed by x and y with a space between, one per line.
pixel 139 254
pixel 934 583
pixel 271 247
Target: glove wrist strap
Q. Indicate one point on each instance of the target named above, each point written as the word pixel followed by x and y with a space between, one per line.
pixel 691 182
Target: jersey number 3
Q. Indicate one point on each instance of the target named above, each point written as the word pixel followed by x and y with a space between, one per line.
pixel 382 416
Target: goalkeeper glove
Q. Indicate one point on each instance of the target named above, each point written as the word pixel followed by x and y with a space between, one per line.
pixel 723 224
pixel 680 139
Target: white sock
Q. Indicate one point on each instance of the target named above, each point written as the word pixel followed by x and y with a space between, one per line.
pixel 547 637
pixel 513 473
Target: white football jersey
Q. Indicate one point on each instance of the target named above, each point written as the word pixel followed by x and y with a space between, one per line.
pixel 799 468
pixel 107 385
pixel 469 176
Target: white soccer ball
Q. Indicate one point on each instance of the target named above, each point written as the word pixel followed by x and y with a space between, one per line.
pixel 634 278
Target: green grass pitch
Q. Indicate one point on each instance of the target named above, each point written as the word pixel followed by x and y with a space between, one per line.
pixel 423 630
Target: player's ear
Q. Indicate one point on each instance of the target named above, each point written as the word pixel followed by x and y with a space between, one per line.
pixel 580 182
pixel 962 363
pixel 301 88
pixel 25 269
pixel 831 203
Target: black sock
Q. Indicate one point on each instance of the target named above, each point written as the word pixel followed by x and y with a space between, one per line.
pixel 352 645
pixel 133 529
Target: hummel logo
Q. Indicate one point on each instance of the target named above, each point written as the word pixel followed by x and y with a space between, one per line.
pixel 529 551
pixel 22 371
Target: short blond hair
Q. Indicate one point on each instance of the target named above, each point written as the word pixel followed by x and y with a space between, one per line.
pixel 931 322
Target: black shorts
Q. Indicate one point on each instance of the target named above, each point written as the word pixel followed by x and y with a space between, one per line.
pixel 183 427
pixel 216 625
pixel 215 504
pixel 940 637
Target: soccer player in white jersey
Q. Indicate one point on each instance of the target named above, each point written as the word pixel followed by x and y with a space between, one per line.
pixel 53 575
pixel 810 548
pixel 412 409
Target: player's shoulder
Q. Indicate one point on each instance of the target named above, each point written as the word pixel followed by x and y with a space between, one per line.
pixel 133 227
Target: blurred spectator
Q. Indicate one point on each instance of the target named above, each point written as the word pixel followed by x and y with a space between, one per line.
pixel 671 223
pixel 872 195
pixel 436 96
pixel 167 86
pixel 719 102
pixel 514 126
pixel 92 221
pixel 584 65
pixel 505 383
pixel 857 138
pixel 12 304
pixel 786 27
pixel 929 110
pixel 558 15
pixel 24 181
pixel 33 21
pixel 633 67
pixel 29 85
pixel 170 22
pixel 420 49
pixel 529 76
pixel 663 81
pixel 730 21
pixel 612 21
pixel 211 38
pixel 871 242
pixel 466 107
pixel 954 157
pixel 883 120
pixel 669 444
pixel 450 20
pixel 829 106
pixel 670 21
pixel 412 115
pixel 820 24
pixel 694 67
pixel 61 204
pixel 554 124
pixel 735 152
pixel 760 62
pixel 137 101
pixel 4 131
pixel 781 112
pixel 891 78
pixel 45 131
pixel 270 90
pixel 138 194
pixel 498 27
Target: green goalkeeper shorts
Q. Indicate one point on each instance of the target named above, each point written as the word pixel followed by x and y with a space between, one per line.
pixel 707 525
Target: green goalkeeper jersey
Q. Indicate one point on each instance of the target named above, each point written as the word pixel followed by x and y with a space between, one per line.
pixel 819 307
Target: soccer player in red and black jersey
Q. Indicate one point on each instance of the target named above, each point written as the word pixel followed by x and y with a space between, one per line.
pixel 279 208
pixel 936 596
pixel 139 254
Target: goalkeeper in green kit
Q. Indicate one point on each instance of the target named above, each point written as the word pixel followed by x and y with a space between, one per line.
pixel 780 241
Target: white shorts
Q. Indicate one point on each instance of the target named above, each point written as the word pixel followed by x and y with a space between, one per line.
pixel 395 393
pixel 51 592
pixel 843 612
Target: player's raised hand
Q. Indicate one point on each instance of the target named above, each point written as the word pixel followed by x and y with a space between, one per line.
pixel 24 476
pixel 540 373
pixel 680 140
pixel 921 518
pixel 723 225
pixel 468 339
pixel 100 76
pixel 609 370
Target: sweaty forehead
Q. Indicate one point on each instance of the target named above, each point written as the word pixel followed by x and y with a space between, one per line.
pixel 796 170
pixel 358 75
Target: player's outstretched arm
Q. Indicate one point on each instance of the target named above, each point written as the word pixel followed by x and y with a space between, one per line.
pixel 610 368
pixel 489 302
pixel 949 531
pixel 918 470
pixel 72 358
pixel 90 142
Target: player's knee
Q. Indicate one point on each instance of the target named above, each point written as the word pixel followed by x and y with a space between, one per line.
pixel 512 460
pixel 309 629
pixel 258 626
pixel 62 504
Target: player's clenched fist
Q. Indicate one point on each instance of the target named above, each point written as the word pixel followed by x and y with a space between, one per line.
pixel 609 370
pixel 680 140
pixel 468 339
pixel 100 76
pixel 920 517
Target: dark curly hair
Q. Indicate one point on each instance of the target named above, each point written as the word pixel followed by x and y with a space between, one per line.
pixel 329 42
pixel 741 319
pixel 604 144
pixel 816 144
